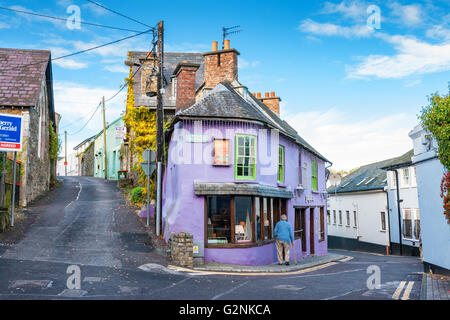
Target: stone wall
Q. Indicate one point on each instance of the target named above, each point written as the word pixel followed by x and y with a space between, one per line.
pixel 88 158
pixel 181 249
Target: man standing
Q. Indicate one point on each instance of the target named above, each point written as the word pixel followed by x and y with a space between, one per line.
pixel 284 236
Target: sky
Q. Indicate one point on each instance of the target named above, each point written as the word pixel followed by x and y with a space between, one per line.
pixel 352 75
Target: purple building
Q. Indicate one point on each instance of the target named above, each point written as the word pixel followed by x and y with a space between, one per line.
pixel 234 167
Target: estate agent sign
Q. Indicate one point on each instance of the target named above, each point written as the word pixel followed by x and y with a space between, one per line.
pixel 10 132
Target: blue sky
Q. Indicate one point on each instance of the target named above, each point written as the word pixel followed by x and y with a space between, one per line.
pixel 351 91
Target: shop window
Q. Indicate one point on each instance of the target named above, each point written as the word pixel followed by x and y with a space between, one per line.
pixel 243 228
pixel 280 164
pixel 314 175
pixel 267 218
pixel 218 219
pixel 245 161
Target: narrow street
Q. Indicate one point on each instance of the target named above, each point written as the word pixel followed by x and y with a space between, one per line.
pixel 85 222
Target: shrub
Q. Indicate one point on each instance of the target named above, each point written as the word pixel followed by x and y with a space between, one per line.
pixel 137 195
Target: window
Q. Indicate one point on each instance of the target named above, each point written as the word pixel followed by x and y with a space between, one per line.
pixel 243 219
pixel 414 177
pixel 334 216
pixel 218 219
pixel 405 177
pixel 305 175
pixel 299 223
pixel 393 180
pixel 407 223
pixel 245 162
pixel 355 219
pixel 280 164
pixel 383 221
pixel 340 217
pixel 221 152
pixel 239 220
pixel 322 224
pixel 314 175
pixel 417 224
pixel 300 173
pixel 328 217
pixel 348 217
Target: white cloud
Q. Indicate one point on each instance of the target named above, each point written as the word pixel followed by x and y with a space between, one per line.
pixel 439 32
pixel 413 57
pixel 247 64
pixel 4 25
pixel 330 29
pixel 410 15
pixel 348 143
pixel 117 68
pixel 76 102
pixel 66 63
pixel 355 10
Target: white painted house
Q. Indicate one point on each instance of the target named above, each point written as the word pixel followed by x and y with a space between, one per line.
pixel 358 209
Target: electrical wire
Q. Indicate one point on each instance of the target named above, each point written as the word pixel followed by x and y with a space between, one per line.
pixel 78 52
pixel 66 19
pixel 95 111
pixel 118 13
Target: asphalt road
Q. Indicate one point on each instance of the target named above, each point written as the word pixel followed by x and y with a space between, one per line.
pixel 86 223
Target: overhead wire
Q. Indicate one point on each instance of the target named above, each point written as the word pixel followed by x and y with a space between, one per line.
pixel 67 19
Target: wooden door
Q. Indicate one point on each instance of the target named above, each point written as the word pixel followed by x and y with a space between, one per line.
pixel 311 231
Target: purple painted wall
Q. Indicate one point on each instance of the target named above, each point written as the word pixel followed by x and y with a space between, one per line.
pixel 192 161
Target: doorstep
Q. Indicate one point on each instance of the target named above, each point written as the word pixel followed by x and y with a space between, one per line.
pixel 304 263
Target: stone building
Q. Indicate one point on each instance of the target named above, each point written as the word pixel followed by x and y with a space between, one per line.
pixel 26 89
pixel 85 155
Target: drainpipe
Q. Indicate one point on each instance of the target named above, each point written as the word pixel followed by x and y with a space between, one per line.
pixel 398 212
pixel 388 220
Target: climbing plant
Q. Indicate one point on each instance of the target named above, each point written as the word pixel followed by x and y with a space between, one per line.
pixel 436 119
pixel 141 123
pixel 54 143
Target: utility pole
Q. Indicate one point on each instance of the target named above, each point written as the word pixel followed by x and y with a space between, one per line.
pixel 65 152
pixel 104 138
pixel 159 123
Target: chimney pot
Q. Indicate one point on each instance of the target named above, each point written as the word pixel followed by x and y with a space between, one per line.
pixel 258 95
pixel 226 44
pixel 214 46
pixel 273 94
pixel 267 94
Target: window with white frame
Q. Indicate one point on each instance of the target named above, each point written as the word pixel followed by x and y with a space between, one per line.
pixel 405 177
pixel 355 219
pixel 413 177
pixel 383 221
pixel 340 217
pixel 393 180
pixel 411 224
pixel 334 216
pixel 407 223
pixel 304 175
pixel 417 224
pixel 348 217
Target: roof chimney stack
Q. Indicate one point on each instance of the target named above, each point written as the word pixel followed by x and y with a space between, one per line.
pixel 220 65
pixel 272 101
pixel 185 73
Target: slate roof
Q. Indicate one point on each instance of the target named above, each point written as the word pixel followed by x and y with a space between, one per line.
pixel 248 189
pixel 369 177
pixel 225 102
pixel 83 142
pixel 20 87
pixel 171 60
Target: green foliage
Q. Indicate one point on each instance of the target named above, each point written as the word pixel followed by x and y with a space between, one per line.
pixel 137 195
pixel 54 143
pixel 436 119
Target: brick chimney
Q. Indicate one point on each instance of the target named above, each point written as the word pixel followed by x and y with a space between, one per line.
pixel 220 65
pixel 185 74
pixel 271 101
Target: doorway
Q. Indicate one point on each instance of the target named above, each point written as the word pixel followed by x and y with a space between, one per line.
pixel 311 232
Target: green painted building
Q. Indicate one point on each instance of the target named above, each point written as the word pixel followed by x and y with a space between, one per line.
pixel 113 145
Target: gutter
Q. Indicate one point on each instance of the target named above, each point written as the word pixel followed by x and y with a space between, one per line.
pixel 388 220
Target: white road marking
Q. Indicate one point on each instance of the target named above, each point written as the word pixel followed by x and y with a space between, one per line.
pixel 397 292
pixel 229 291
pixel 78 196
pixel 408 290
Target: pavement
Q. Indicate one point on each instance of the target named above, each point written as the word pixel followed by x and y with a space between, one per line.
pixel 86 225
pixel 274 269
pixel 435 287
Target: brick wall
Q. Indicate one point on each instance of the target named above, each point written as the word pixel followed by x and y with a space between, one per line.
pixel 220 66
pixel 185 73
